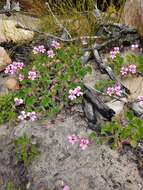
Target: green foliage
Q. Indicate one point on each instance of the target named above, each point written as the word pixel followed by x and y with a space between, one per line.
pixel 101 85
pixel 49 92
pixel 129 128
pixel 129 58
pixel 7 113
pixel 117 64
pixel 9 186
pixel 26 152
pixel 135 59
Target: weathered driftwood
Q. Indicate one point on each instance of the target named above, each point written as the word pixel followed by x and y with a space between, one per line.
pixel 93 105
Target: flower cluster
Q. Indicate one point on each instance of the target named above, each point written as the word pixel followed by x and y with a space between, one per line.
pixel 39 49
pixel 13 67
pixel 83 142
pixel 32 75
pixel 50 53
pixel 114 52
pixel 21 77
pixel 66 187
pixel 116 90
pixel 42 49
pixel 140 99
pixel 134 46
pixel 27 116
pixel 55 44
pixel 18 101
pixel 132 69
pixel 74 93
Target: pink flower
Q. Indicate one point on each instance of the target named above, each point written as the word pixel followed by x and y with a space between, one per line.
pixel 22 115
pixel 72 139
pixel 124 71
pixel 132 69
pixel 84 143
pixel 21 77
pixel 140 99
pixel 112 55
pixel 18 101
pixel 118 90
pixel 39 49
pixel 32 115
pixel 55 44
pixel 72 94
pixel 18 65
pixel 12 68
pixel 110 91
pixel 32 75
pixel 50 53
pixel 116 50
pixel 66 187
pixel 77 91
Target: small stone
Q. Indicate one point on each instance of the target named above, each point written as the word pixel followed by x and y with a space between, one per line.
pixel 12 84
pixel 4 59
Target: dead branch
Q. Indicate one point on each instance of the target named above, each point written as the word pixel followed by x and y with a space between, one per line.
pixel 56 37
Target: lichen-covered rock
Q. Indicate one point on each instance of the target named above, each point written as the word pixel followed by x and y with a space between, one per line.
pixel 9 32
pixel 98 167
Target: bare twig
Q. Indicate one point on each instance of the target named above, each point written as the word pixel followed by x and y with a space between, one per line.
pixel 57 21
pixel 56 37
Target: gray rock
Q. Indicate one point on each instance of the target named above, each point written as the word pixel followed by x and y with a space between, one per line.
pixel 117 105
pixel 9 32
pixel 98 167
pixel 137 108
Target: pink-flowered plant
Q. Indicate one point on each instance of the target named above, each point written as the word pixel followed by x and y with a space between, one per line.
pixel 114 52
pixel 39 49
pixel 140 99
pixel 32 75
pixel 13 67
pixel 18 101
pixel 110 91
pixel 55 44
pixel 84 143
pixel 22 115
pixel 116 90
pixel 124 71
pixel 132 69
pixel 50 53
pixel 78 91
pixel 66 187
pixel 21 77
pixel 72 139
pixel 74 93
pixel 32 115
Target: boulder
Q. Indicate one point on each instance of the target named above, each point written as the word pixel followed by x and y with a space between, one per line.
pixel 4 59
pixel 9 32
pixel 12 84
pixel 133 14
